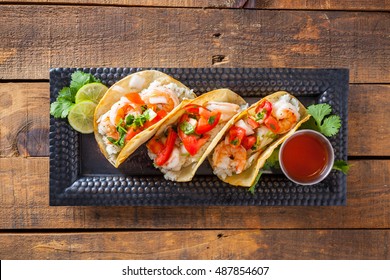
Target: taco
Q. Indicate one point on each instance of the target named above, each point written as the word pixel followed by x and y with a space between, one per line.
pixel 132 109
pixel 253 136
pixel 183 142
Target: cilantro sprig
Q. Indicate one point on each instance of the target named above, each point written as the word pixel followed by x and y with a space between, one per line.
pixel 66 96
pixel 254 185
pixel 321 121
pixel 342 166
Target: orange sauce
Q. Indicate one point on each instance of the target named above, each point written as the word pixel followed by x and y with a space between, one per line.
pixel 304 157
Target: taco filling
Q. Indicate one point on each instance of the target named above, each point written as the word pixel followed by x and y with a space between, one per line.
pixel 245 141
pixel 184 142
pixel 136 111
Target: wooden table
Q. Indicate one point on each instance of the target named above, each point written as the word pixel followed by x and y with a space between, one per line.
pixel 281 33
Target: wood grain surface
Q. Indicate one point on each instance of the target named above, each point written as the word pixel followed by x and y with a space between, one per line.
pixel 127 36
pixel 187 245
pixel 207 33
pixel 372 5
pixel 24 119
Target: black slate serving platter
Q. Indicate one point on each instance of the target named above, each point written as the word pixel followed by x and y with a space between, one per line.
pixel 80 175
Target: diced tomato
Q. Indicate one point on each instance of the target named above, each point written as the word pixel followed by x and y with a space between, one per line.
pixel 189 142
pixel 192 142
pixel 254 124
pixel 264 107
pixel 236 135
pixel 183 118
pixel 192 109
pixel 166 152
pixel 155 146
pixel 248 142
pixel 207 121
pixel 160 115
pixel 135 98
pixel 132 132
pixel 272 124
pixel 202 141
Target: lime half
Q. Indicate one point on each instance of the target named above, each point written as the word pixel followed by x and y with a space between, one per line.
pixel 91 92
pixel 81 116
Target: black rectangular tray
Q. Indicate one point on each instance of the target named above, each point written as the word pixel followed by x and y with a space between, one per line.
pixel 80 175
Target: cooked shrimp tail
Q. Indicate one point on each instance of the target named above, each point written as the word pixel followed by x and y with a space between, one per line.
pixel 228 159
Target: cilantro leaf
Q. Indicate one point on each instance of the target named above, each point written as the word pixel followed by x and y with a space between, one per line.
pixel 121 141
pixel 60 109
pixel 122 135
pixel 130 119
pixel 259 116
pixel 319 111
pixel 327 125
pixel 273 160
pixel 331 125
pixel 211 120
pixel 66 96
pixel 140 120
pixel 342 166
pixel 254 185
pixel 80 79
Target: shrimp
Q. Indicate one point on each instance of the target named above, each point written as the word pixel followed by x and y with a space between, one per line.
pixel 228 160
pixel 105 127
pixel 286 112
pixel 121 109
pixel 161 100
pixel 228 110
pixel 174 162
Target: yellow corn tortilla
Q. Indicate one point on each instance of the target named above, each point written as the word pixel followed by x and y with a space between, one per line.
pixel 219 95
pixel 248 177
pixel 133 83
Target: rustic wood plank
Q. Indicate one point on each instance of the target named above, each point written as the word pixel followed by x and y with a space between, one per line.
pixel 368 121
pixel 24 119
pixel 24 122
pixel 373 5
pixel 38 37
pixel 213 244
pixel 144 3
pixel 24 204
pixel 379 5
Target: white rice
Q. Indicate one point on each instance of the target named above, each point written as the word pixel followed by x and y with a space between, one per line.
pixel 223 170
pixel 181 93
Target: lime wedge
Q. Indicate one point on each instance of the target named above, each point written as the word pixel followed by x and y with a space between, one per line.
pixel 81 116
pixel 91 92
